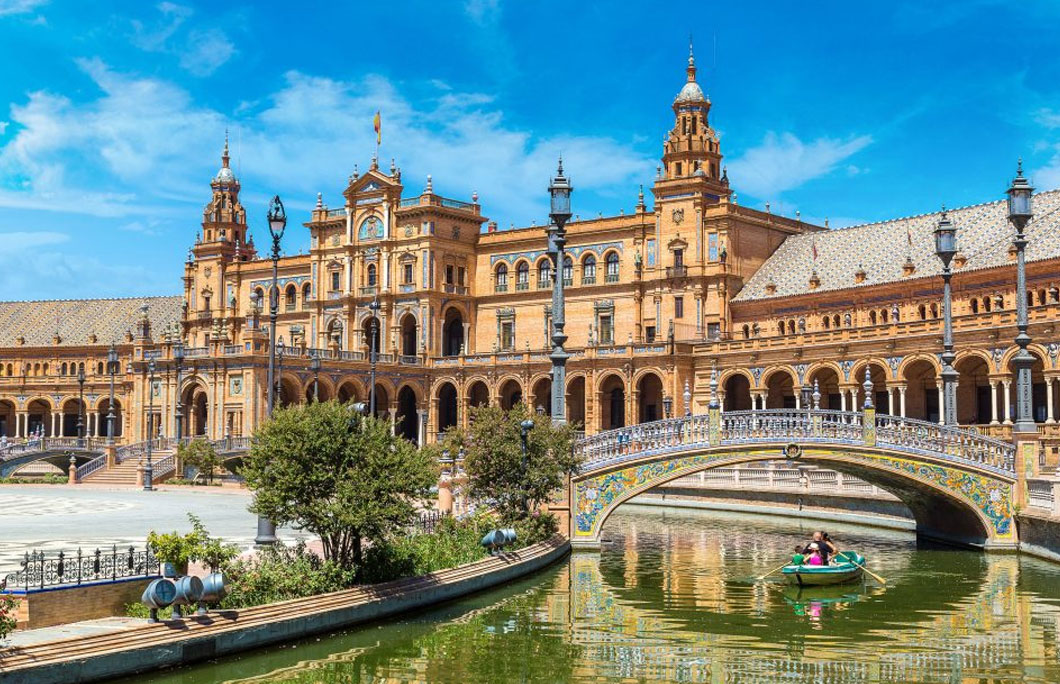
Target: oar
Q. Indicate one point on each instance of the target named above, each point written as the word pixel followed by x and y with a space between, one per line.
pixel 780 567
pixel 876 577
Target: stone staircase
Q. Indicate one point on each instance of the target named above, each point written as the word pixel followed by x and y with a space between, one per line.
pixel 124 474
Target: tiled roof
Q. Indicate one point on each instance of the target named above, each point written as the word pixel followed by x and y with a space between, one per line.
pixel 984 235
pixel 76 319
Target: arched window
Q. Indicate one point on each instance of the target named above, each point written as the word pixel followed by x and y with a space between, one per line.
pixel 290 297
pixel 922 310
pixel 80 367
pixel 827 322
pixel 780 328
pixel 568 271
pixel 612 268
pixel 62 370
pixel 884 315
pixel 1041 296
pixel 589 270
pixel 872 318
pixel 986 304
pixel 372 275
pixel 501 283
pixel 99 368
pixel 544 274
pixel 975 305
pixel 934 310
pixel 522 276
pixel 747 330
pixel 791 327
pixel 835 321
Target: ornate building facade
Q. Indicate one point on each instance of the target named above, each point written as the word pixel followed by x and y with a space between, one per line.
pixel 656 299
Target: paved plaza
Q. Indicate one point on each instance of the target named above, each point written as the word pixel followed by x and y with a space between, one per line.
pixel 54 517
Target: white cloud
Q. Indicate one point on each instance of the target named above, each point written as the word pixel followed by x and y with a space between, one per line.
pixel 1047 117
pixel 199 51
pixel 1048 177
pixel 143 143
pixel 19 6
pixel 483 12
pixel 783 162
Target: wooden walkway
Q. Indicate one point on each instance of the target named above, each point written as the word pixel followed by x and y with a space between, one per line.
pixel 177 642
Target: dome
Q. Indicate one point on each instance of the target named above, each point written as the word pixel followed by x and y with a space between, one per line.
pixel 225 175
pixel 691 92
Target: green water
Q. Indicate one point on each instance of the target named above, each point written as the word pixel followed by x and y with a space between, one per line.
pixel 672 598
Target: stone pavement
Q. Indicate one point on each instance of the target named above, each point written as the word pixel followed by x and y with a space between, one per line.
pixel 65 517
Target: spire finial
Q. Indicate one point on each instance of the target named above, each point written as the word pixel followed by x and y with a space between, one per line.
pixel 1019 167
pixel 430 185
pixel 640 198
pixel 224 155
pixel 320 200
pixel 691 61
pixel 393 167
pixel 560 170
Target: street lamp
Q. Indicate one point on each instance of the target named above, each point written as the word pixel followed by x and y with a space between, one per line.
pixel 524 431
pixel 149 471
pixel 112 369
pixel 1020 212
pixel 277 218
pixel 668 406
pixel 314 365
pixel 178 359
pixel 373 343
pixel 559 213
pixel 946 248
pixel 81 407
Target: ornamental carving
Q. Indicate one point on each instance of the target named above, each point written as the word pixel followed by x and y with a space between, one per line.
pixel 678 215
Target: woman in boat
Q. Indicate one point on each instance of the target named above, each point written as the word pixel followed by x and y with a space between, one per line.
pixel 814 557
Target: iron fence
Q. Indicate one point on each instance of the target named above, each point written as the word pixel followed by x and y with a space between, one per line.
pixel 40 570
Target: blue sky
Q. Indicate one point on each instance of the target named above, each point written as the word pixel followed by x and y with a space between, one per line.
pixel 112 114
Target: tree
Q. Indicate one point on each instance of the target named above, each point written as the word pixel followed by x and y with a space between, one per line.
pixel 337 474
pixel 493 458
pixel 199 453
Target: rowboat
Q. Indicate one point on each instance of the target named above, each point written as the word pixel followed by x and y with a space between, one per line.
pixel 846 568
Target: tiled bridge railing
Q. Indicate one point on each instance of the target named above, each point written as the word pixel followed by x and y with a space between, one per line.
pixel 957 445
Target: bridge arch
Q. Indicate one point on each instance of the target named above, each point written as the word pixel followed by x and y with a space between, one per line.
pixel 965 498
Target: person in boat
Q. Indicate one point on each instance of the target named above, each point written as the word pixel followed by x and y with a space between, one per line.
pixel 825 547
pixel 814 555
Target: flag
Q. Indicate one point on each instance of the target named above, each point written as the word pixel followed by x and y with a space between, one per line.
pixel 377 124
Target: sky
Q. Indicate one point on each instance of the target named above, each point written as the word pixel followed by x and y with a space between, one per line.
pixel 113 114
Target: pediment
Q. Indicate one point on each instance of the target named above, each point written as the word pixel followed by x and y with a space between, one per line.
pixel 371 184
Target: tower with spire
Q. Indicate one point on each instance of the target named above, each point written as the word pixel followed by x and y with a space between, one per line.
pixel 224 221
pixel 691 150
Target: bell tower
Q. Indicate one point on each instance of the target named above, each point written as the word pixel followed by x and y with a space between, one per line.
pixel 691 150
pixel 224 221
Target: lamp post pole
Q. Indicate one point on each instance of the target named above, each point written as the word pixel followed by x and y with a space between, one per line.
pixel 112 368
pixel 178 359
pixel 277 219
pixel 1020 212
pixel 559 190
pixel 946 248
pixel 149 470
pixel 314 365
pixel 373 344
pixel 524 431
pixel 81 408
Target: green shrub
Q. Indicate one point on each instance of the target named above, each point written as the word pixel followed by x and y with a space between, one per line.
pixel 452 543
pixel 8 609
pixel 197 545
pixel 279 573
pixel 51 478
pixel 538 527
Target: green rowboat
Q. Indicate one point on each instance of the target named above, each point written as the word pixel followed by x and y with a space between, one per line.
pixel 844 569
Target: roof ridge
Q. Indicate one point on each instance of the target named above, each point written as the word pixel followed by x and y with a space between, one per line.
pixel 88 299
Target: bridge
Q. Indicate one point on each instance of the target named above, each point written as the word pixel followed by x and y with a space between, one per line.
pixel 960 486
pixel 55 450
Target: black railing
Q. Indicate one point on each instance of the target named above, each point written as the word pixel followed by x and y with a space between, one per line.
pixel 427 521
pixel 40 570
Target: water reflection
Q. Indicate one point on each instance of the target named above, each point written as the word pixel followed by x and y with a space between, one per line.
pixel 672 598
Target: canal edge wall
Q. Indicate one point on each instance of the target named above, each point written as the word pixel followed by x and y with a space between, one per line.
pixel 1039 535
pixel 149 647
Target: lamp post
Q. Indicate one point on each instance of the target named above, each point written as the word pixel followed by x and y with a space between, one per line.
pixel 946 248
pixel 373 344
pixel 81 408
pixel 1020 212
pixel 178 359
pixel 524 431
pixel 149 471
pixel 277 218
pixel 314 365
pixel 112 369
pixel 559 190
pixel 668 406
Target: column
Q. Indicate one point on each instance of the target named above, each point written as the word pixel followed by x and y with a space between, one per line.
pixel 842 400
pixel 854 406
pixel 993 402
pixel 467 338
pixel 798 401
pixel 942 408
pixel 1007 420
pixel 901 400
pixel 21 420
pixel 890 400
pixel 393 420
pixel 421 424
pixel 1049 417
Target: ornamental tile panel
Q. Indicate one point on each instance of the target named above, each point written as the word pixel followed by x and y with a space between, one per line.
pixel 75 319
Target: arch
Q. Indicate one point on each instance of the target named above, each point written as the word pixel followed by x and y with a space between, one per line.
pixel 318 388
pixel 737 392
pixel 408 420
pixel 612 402
pixel 448 411
pixel 349 390
pixel 371 275
pixel 958 513
pixel 878 373
pixel 500 277
pixel 824 378
pixel 650 405
pixel 541 394
pixel 544 273
pixel 511 393
pixel 576 400
pixel 611 265
pixel 589 269
pixel 974 405
pixel 73 410
pixel 103 413
pixel 290 297
pixel 39 417
pixel 781 387
pixel 921 394
pixel 382 401
pixel 307 290
pixel 408 335
pixel 7 418
pixel 522 274
pixel 452 332
pixel 288 390
pixel 478 394
pixel 568 271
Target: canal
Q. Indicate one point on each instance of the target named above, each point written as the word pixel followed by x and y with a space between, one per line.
pixel 672 598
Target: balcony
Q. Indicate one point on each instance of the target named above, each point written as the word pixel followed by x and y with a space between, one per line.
pixel 452 288
pixel 611 278
pixel 369 290
pixel 500 287
pixel 544 284
pixel 335 294
pixel 676 272
pixel 589 280
pixel 522 286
